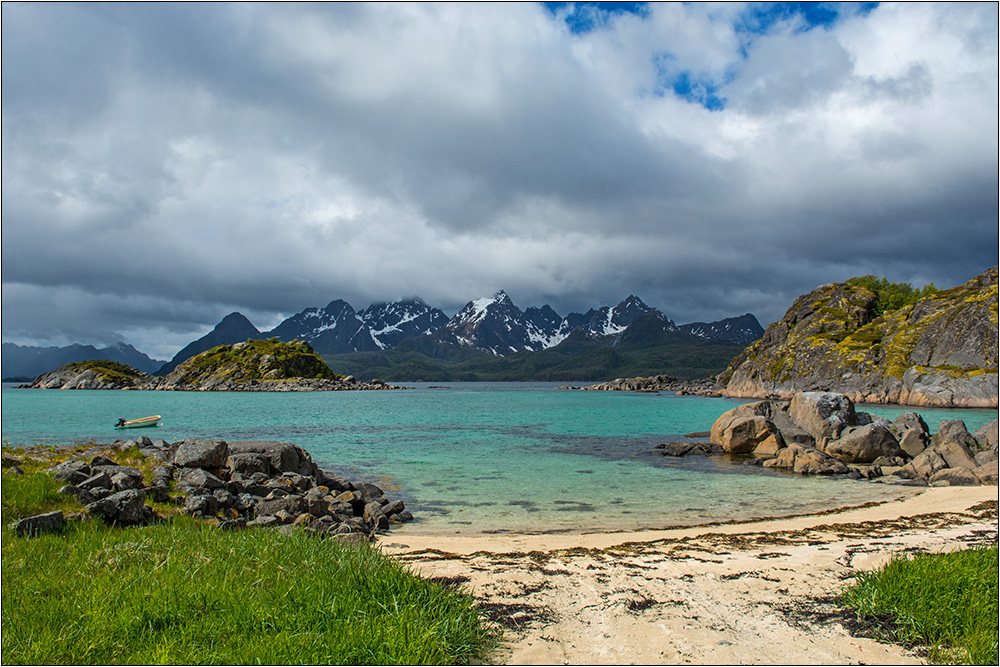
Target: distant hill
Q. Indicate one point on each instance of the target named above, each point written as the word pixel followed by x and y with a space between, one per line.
pixel 24 363
pixel 233 328
pixel 879 342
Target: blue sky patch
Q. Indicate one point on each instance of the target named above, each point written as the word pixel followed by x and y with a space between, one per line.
pixel 583 17
pixel 759 18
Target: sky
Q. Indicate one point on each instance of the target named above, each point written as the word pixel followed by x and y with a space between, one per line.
pixel 165 164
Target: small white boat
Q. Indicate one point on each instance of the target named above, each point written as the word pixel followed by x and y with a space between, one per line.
pixel 139 423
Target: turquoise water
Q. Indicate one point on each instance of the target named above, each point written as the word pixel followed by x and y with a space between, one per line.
pixel 474 457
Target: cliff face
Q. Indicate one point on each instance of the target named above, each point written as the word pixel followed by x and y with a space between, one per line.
pixel 939 351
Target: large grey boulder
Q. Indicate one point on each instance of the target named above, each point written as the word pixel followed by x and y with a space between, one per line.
pixel 33 526
pixel 927 463
pixel 987 473
pixel 126 508
pixel 293 505
pixel 742 429
pixel 864 444
pixel 953 477
pixel 806 461
pixel 202 478
pixel 201 453
pixel 913 441
pixel 957 454
pixel 986 435
pixel 953 431
pixel 822 414
pixel 281 456
pixel 907 421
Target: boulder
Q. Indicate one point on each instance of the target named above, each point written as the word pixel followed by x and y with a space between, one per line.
pixel 741 434
pixel 201 453
pixel 957 454
pixel 987 473
pixel 770 446
pixel 292 505
pixel 822 414
pixel 927 463
pixel 282 456
pixel 986 435
pixel 864 444
pixel 982 458
pixel 204 504
pixel 913 441
pixel 806 461
pixel 247 463
pixel 121 482
pixel 909 421
pixel 126 508
pixel 953 431
pixel 202 478
pixel 82 496
pixel 953 477
pixel 71 472
pixel 100 480
pixel 33 526
pixel 374 515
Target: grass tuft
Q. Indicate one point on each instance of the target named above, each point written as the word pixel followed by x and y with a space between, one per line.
pixel 948 602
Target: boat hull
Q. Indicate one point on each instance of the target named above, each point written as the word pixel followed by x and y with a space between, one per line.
pixel 145 422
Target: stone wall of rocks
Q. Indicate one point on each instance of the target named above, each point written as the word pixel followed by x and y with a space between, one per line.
pixel 822 433
pixel 237 484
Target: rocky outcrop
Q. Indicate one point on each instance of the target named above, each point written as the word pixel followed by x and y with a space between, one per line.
pixel 253 365
pixel 654 384
pixel 236 484
pixel 822 433
pixel 939 351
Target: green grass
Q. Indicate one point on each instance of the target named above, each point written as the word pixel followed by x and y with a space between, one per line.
pixel 948 602
pixel 183 592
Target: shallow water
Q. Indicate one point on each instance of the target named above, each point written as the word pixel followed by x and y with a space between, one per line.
pixel 475 457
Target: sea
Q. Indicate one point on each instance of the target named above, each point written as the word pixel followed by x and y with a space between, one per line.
pixel 480 457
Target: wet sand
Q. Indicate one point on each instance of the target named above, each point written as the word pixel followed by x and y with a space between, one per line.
pixel 761 592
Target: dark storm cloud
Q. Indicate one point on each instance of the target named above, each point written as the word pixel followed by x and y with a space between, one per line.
pixel 166 163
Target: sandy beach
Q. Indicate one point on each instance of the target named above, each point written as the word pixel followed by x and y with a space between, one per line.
pixel 761 592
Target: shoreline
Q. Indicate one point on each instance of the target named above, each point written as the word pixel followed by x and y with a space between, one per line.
pixel 760 592
pixel 926 500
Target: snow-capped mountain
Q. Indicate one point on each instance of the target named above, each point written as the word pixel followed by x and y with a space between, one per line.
pixel 493 324
pixel 744 329
pixel 612 321
pixel 335 329
pixel 392 322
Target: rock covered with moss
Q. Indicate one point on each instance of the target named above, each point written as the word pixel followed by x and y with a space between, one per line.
pixel 253 365
pixel 940 350
pixel 93 374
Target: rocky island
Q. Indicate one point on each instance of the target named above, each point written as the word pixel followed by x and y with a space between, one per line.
pixel 253 365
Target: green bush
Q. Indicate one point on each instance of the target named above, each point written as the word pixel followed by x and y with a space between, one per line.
pixel 948 602
pixel 892 296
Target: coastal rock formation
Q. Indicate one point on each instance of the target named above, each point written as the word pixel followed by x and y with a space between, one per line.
pixel 939 351
pixel 654 384
pixel 252 365
pixel 236 484
pixel 821 433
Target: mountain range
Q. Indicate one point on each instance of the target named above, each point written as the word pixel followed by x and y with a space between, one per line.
pixel 25 362
pixel 492 325
pixel 489 326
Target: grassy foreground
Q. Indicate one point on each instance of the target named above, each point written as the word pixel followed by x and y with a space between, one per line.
pixel 184 592
pixel 948 602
